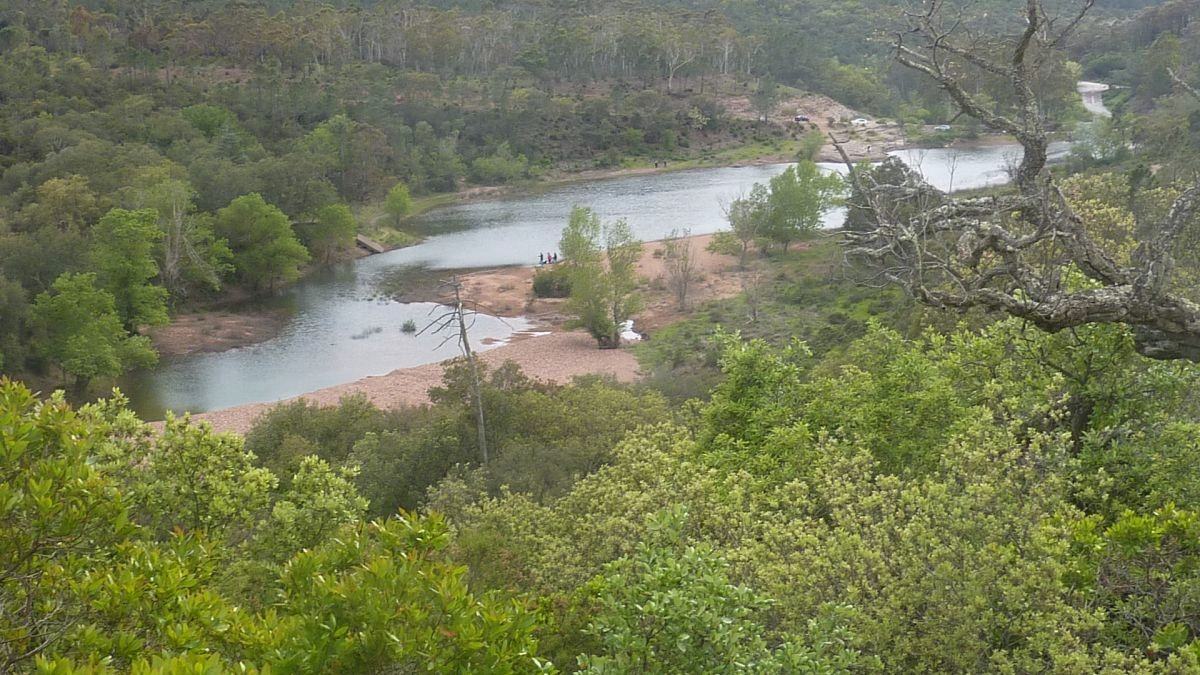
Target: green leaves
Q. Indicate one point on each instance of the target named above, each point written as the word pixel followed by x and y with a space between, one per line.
pixel 398 203
pixel 670 608
pixel 85 591
pixel 56 511
pixel 798 198
pixel 82 332
pixel 266 251
pixel 602 264
pixel 1143 570
pixel 378 596
pixel 123 256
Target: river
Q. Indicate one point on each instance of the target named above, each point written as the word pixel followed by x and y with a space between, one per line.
pixel 341 329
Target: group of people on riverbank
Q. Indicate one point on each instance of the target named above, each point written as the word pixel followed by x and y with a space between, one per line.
pixel 547 258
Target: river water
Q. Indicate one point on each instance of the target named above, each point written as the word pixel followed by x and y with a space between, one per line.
pixel 342 329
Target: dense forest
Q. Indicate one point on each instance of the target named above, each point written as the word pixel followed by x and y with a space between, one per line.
pixel 229 147
pixel 962 434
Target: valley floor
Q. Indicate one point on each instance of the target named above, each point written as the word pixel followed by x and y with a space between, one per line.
pixel 556 355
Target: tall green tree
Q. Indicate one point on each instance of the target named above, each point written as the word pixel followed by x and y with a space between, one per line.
pixel 191 257
pixel 79 330
pixel 602 263
pixel 798 198
pixel 747 218
pixel 123 257
pixel 328 231
pixel 765 98
pixel 398 203
pixel 266 251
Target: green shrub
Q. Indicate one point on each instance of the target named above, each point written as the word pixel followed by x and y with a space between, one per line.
pixel 552 283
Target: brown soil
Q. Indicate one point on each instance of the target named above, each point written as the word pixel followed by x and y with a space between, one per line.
pixel 216 331
pixel 557 356
pixel 554 357
pixel 508 291
pixel 868 142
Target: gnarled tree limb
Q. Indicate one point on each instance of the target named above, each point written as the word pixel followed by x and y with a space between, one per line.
pixel 1026 254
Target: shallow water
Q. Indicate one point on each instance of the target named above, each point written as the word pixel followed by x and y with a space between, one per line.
pixel 342 330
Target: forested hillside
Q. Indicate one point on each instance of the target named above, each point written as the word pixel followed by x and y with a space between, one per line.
pixel 959 435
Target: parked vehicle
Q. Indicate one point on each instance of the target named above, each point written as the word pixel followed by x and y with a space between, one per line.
pixel 942 127
pixel 801 118
pixel 860 121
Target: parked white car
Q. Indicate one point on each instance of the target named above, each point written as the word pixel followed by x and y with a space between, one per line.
pixel 860 121
pixel 942 127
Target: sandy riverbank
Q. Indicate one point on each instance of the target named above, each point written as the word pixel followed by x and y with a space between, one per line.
pixel 216 331
pixel 557 356
pixel 554 357
pixel 508 291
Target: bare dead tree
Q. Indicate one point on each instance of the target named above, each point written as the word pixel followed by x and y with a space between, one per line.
pixel 1024 252
pixel 679 256
pixel 454 323
pixel 751 283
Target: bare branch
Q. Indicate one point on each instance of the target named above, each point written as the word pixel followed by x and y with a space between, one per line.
pixel 1015 253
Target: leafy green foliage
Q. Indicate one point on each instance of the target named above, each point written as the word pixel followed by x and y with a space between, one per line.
pixel 330 231
pixel 265 249
pixel 123 257
pixel 82 333
pixel 398 203
pixel 552 283
pixel 55 510
pixel 798 198
pixel 84 591
pixel 191 479
pixel 318 501
pixel 379 597
pixel 601 263
pixel 671 608
pixel 500 167
pixel 1142 569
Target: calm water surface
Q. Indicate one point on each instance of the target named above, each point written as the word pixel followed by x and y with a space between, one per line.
pixel 341 329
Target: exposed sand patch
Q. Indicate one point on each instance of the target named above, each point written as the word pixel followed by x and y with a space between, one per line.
pixel 216 331
pixel 508 291
pixel 870 141
pixel 555 357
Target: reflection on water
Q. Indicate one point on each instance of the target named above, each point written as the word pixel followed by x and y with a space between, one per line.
pixel 342 329
pixel 952 169
pixel 513 230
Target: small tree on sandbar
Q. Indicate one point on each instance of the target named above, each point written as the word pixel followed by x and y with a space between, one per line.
pixel 602 265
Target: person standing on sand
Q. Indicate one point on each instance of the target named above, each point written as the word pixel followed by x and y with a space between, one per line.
pixel 541 259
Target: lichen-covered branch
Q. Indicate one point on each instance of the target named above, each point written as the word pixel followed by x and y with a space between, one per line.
pixel 1028 253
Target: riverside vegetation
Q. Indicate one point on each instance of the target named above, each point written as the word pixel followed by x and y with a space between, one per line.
pixel 239 143
pixel 821 475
